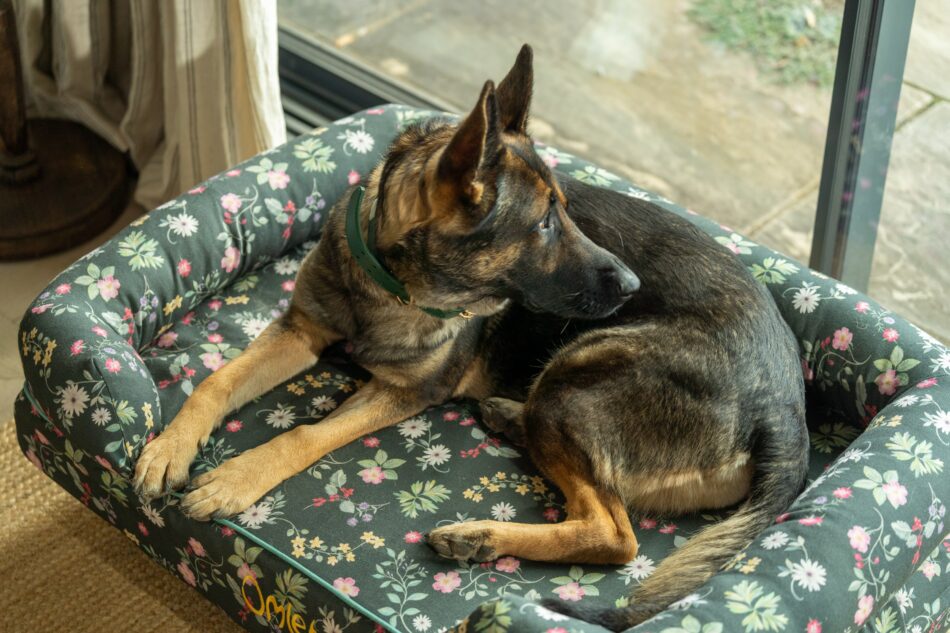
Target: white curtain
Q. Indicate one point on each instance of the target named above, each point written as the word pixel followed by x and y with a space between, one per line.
pixel 187 87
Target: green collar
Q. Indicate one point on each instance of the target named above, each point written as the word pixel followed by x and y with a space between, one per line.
pixel 365 256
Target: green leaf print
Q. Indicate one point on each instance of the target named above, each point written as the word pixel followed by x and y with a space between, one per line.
pixel 690 624
pixel 422 496
pixel 761 611
pixel 315 155
pixel 141 251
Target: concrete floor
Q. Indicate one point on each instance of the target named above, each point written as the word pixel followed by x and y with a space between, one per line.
pixel 637 87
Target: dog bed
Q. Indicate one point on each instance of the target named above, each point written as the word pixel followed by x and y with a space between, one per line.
pixel 115 344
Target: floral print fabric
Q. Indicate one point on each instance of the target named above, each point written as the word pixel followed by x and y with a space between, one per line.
pixel 118 341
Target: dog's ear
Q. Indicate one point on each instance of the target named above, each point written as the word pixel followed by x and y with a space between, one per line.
pixel 474 148
pixel 514 93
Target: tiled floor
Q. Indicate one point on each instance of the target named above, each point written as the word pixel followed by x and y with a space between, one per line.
pixel 21 282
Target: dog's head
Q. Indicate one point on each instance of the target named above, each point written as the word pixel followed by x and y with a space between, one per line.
pixel 471 215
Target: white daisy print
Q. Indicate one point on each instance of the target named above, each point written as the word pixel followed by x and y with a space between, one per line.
pixel 939 420
pixel 286 266
pixel 101 416
pixel 421 622
pixel 152 515
pixel 253 327
pixel 807 574
pixel 775 540
pixel 74 400
pixel 692 600
pixel 183 224
pixel 503 511
pixel 255 516
pixel 906 401
pixel 436 455
pixel 323 403
pixel 281 418
pixel 546 614
pixel 413 428
pixel 637 569
pixel 806 298
pixel 904 599
pixel 357 140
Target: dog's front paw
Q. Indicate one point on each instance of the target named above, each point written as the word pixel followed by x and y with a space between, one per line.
pixel 463 541
pixel 222 492
pixel 163 465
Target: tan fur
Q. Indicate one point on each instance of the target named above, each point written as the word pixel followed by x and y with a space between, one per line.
pixel 278 354
pixel 597 529
pixel 682 491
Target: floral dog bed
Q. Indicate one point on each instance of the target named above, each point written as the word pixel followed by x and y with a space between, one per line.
pixel 115 344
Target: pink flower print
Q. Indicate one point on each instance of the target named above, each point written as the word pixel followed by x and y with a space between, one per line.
pixel 143 529
pixel 887 382
pixel 346 586
pixel 289 285
pixel 371 441
pixel 842 493
pixel 63 289
pixel 467 421
pixel 40 309
pixel 451 416
pixel 375 111
pixel 167 339
pixel 929 569
pixel 865 606
pixel 353 177
pixel 810 521
pixel 842 339
pixel 232 173
pixel 860 539
pixel 732 246
pixel 98 330
pixel 108 287
pixel 184 267
pixel 234 426
pixel 862 306
pixel 556 629
pixel 77 347
pixel 213 360
pixel 508 564
pixel 813 626
pixel 669 528
pixel 215 304
pixel 196 190
pixel 230 202
pixel 413 537
pixel 196 547
pixel 571 592
pixel 231 259
pixel 896 493
pixel 551 514
pixel 215 338
pixel 374 475
pixel 187 574
pixel 927 382
pixel 890 335
pixel 34 459
pixel 113 366
pixel 647 524
pixel 277 179
pixel 244 571
pixel 446 582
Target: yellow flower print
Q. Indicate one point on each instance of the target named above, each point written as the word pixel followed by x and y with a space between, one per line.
pixel 325 374
pixel 172 305
pixel 147 411
pixel 295 389
pixel 316 542
pixel 238 300
pixel 298 542
pixel 493 487
pixel 468 493
pixel 483 481
pixel 298 552
pixel 500 475
pixel 372 539
pixel 344 547
pixel 750 565
pixel 522 489
pixel 350 557
pixel 478 497
pixel 332 560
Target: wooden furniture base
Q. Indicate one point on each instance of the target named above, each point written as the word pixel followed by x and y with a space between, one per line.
pixel 81 188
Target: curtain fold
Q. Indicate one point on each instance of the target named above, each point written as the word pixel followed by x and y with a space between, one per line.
pixel 186 87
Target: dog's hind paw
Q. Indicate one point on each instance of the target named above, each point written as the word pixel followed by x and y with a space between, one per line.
pixel 459 542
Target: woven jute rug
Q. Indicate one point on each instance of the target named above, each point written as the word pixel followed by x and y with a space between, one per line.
pixel 64 569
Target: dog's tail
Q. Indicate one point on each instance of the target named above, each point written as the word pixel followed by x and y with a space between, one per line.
pixel 781 463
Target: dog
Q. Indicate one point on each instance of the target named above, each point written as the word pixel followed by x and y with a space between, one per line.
pixel 636 360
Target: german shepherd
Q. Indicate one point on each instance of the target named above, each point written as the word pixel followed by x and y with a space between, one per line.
pixel 636 360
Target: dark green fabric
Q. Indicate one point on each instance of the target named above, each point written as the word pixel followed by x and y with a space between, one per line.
pixel 116 343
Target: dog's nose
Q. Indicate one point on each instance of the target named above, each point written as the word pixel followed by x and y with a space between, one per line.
pixel 622 280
